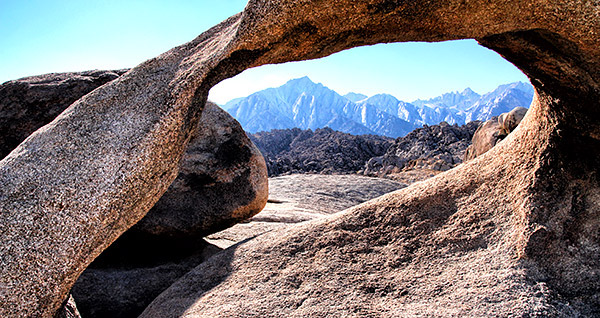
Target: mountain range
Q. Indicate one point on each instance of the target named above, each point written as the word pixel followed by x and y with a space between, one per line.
pixel 304 104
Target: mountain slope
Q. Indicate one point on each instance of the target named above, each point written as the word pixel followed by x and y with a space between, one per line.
pixel 501 100
pixel 303 104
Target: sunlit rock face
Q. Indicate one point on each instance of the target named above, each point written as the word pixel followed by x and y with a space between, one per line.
pixel 513 232
pixel 222 181
pixel 28 103
pixel 491 132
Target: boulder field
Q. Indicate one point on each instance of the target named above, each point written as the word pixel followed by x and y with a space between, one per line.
pixel 513 232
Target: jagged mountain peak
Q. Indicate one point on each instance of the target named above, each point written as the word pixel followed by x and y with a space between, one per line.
pixel 467 91
pixel 355 97
pixel 385 98
pixel 304 81
pixel 305 104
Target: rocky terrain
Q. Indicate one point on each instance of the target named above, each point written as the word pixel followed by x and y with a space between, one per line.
pixel 439 148
pixel 298 198
pixel 513 232
pixel 321 151
pixel 493 131
pixel 222 180
pixel 436 148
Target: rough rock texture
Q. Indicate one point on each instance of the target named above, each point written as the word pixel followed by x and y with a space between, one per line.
pixel 509 121
pixel 68 309
pixel 29 103
pixel 412 176
pixel 71 188
pixel 513 232
pixel 124 279
pixel 491 132
pixel 298 198
pixel 322 151
pixel 222 181
pixel 437 147
pixel 219 160
pixel 485 138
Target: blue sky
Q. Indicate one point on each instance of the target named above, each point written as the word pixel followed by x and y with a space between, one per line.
pixel 39 37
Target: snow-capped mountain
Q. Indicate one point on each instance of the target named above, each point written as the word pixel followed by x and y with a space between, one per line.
pixel 501 100
pixel 302 103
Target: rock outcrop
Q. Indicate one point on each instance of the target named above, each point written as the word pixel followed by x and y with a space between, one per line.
pixel 220 157
pixel 222 181
pixel 299 198
pixel 321 151
pixel 509 121
pixel 438 147
pixel 491 132
pixel 29 103
pixel 513 232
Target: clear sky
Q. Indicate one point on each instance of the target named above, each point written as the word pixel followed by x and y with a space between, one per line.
pixel 40 36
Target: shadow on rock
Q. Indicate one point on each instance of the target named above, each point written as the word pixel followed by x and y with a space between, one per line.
pixel 128 276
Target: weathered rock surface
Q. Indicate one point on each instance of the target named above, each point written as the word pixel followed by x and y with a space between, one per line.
pixel 68 309
pixel 438 147
pixel 222 181
pixel 219 161
pixel 219 158
pixel 322 151
pixel 491 132
pixel 71 188
pixel 124 279
pixel 513 232
pixel 298 198
pixel 31 102
pixel 509 121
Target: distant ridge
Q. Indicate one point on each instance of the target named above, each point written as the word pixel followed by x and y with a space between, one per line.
pixel 304 104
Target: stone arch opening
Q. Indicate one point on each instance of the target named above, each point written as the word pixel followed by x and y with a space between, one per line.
pixel 305 96
pixel 541 207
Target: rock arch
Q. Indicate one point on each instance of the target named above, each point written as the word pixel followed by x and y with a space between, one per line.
pixel 524 216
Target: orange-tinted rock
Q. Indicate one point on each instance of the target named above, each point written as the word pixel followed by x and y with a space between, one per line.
pixel 491 132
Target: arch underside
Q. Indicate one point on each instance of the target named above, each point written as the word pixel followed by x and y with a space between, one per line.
pixel 514 231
